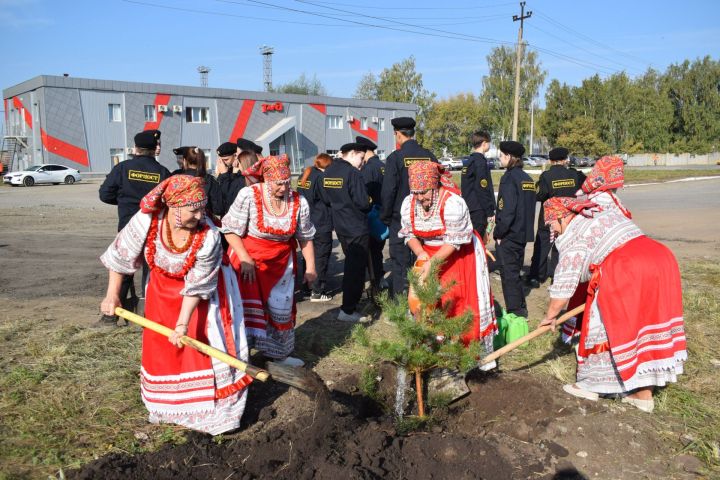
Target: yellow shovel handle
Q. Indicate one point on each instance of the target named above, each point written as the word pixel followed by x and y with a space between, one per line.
pixel 255 372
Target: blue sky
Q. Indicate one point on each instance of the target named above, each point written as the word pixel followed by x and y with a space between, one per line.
pixel 164 41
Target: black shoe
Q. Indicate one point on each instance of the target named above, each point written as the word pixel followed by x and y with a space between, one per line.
pixel 534 283
pixel 106 321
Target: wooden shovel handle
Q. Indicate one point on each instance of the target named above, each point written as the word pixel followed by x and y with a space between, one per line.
pixel 535 333
pixel 251 370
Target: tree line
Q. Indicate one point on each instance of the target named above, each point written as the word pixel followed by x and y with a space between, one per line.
pixel 676 111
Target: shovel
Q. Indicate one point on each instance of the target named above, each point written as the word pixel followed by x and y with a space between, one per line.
pixel 295 377
pixel 535 333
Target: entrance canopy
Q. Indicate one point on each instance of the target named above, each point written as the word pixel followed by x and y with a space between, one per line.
pixel 283 137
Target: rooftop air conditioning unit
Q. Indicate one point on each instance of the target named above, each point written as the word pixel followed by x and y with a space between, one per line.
pixel 162 108
pixel 177 108
pixel 375 120
pixel 349 119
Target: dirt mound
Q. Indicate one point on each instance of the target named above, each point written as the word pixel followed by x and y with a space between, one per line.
pixel 344 434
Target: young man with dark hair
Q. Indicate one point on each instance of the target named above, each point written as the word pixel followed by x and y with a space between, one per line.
pixel 476 184
pixel 395 188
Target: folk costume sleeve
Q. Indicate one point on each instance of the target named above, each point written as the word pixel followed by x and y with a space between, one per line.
pixel 124 255
pixel 406 230
pixel 458 227
pixel 506 207
pixel 305 228
pixel 389 188
pixel 238 216
pixel 201 280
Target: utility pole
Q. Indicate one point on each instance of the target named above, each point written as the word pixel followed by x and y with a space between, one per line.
pixel 532 125
pixel 518 60
pixel 267 53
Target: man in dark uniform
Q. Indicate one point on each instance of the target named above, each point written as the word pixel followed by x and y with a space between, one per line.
pixel 179 157
pixel 514 223
pixel 230 182
pixel 126 184
pixel 557 181
pixel 344 191
pixel 395 188
pixel 372 171
pixel 476 184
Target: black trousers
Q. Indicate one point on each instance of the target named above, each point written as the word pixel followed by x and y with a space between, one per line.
pixel 541 267
pixel 128 296
pixel 400 258
pixel 353 283
pixel 479 222
pixel 322 244
pixel 375 265
pixel 512 255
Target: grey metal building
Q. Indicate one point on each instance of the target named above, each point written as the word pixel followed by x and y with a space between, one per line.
pixel 90 124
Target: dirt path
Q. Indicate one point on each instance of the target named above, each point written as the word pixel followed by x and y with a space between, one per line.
pixel 513 425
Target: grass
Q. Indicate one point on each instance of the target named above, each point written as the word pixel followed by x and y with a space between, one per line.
pixel 69 394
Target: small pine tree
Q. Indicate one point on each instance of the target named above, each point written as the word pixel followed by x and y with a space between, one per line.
pixel 429 339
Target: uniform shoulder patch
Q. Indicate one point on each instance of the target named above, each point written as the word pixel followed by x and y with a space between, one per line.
pixel 565 183
pixel 530 186
pixel 141 176
pixel 304 185
pixel 410 160
pixel 382 170
pixel 333 182
pixel 484 183
pixel 464 170
pixel 501 204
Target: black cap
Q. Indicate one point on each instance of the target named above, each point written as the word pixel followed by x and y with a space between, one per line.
pixel 245 145
pixel 226 149
pixel 365 141
pixel 509 147
pixel 358 147
pixel 256 148
pixel 403 123
pixel 147 139
pixel 180 151
pixel 558 153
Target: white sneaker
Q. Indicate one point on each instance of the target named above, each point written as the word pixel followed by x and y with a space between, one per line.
pixel 355 317
pixel 486 367
pixel 576 391
pixel 290 362
pixel 644 405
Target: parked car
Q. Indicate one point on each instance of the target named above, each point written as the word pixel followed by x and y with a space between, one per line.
pixel 452 163
pixel 573 161
pixel 529 162
pixel 445 161
pixel 493 163
pixel 46 173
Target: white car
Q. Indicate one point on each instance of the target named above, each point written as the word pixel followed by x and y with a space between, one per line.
pixel 46 173
pixel 451 163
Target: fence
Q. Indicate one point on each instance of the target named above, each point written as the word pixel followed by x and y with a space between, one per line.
pixel 671 159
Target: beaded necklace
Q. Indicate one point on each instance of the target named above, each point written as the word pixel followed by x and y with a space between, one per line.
pixel 441 199
pixel 171 244
pixel 269 201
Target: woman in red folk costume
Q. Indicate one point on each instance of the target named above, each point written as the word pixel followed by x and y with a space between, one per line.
pixel 262 227
pixel 436 225
pixel 192 292
pixel 632 336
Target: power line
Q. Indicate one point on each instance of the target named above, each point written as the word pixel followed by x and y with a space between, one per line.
pixel 477 7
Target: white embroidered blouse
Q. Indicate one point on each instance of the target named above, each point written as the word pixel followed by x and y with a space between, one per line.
pixel 450 221
pixel 588 241
pixel 242 218
pixel 124 255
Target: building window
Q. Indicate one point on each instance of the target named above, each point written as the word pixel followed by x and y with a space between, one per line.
pixel 114 112
pixel 381 124
pixel 197 114
pixel 208 159
pixel 150 113
pixel 380 154
pixel 332 153
pixel 335 122
pixel 117 155
pixel 363 123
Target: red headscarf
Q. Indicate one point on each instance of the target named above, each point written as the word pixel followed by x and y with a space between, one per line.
pixel 557 208
pixel 176 191
pixel 425 175
pixel 270 169
pixel 608 173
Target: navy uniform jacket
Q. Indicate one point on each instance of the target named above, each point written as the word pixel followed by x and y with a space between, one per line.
pixel 345 193
pixel 319 211
pixel 230 185
pixel 477 189
pixel 373 172
pixel 212 191
pixel 395 186
pixel 557 181
pixel 128 182
pixel 515 215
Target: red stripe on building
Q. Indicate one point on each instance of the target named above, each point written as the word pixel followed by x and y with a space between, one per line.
pixel 371 133
pixel 54 144
pixel 160 99
pixel 242 120
pixel 320 107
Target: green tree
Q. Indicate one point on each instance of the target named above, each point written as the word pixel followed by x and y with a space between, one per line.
pixel 303 85
pixel 559 108
pixel 498 93
pixel 451 121
pixel 580 136
pixel 399 83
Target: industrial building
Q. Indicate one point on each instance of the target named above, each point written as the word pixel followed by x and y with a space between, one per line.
pixel 90 124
